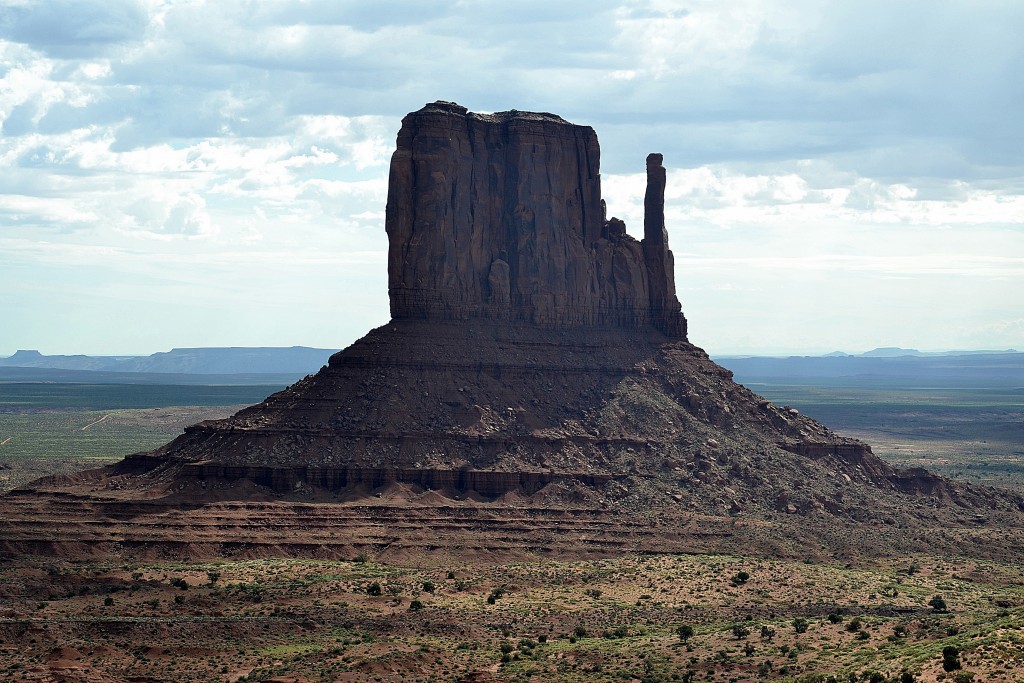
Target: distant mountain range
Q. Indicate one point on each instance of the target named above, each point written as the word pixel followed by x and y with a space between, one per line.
pixel 881 367
pixel 880 352
pixel 295 361
pixel 884 368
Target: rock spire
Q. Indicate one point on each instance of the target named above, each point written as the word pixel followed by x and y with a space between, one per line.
pixel 500 216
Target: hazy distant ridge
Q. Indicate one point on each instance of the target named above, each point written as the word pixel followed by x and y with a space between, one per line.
pixel 898 367
pixel 993 369
pixel 295 360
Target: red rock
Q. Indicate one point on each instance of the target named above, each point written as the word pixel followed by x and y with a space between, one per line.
pixel 500 216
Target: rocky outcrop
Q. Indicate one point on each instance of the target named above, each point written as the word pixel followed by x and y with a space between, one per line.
pixel 664 308
pixel 500 216
pixel 487 483
pixel 534 389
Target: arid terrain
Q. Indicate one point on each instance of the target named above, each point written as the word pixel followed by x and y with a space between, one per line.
pixel 313 620
pixel 615 619
pixel 592 618
pixel 60 439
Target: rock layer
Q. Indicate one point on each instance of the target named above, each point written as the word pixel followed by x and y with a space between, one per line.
pixel 500 216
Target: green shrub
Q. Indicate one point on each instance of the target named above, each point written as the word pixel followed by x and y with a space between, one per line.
pixel 950 658
pixel 374 589
pixel 800 625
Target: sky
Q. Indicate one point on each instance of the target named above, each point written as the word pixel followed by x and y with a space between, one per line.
pixel 841 175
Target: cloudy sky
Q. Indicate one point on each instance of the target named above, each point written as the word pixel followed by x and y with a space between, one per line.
pixel 842 175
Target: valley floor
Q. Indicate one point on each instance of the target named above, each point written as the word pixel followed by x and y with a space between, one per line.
pixel 620 619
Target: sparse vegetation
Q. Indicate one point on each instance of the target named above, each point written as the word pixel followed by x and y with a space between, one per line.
pixel 318 620
pixel 41 425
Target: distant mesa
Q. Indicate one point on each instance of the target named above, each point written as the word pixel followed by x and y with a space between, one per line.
pixel 534 392
pixel 890 352
pixel 25 355
pixel 295 361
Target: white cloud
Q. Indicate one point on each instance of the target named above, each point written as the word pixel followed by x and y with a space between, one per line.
pixel 169 215
pixel 43 210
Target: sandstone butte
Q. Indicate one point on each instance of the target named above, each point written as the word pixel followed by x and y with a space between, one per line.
pixel 534 392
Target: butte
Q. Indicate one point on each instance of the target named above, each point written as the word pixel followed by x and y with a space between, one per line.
pixel 534 392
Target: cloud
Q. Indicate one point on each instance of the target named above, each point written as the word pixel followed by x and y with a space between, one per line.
pixel 19 209
pixel 73 28
pixel 171 215
pixel 805 141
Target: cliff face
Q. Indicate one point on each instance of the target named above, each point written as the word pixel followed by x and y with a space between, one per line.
pixel 500 216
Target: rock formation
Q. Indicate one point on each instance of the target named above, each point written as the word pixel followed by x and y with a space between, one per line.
pixel 535 389
pixel 500 217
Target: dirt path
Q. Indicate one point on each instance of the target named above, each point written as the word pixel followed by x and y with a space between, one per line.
pixel 95 423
